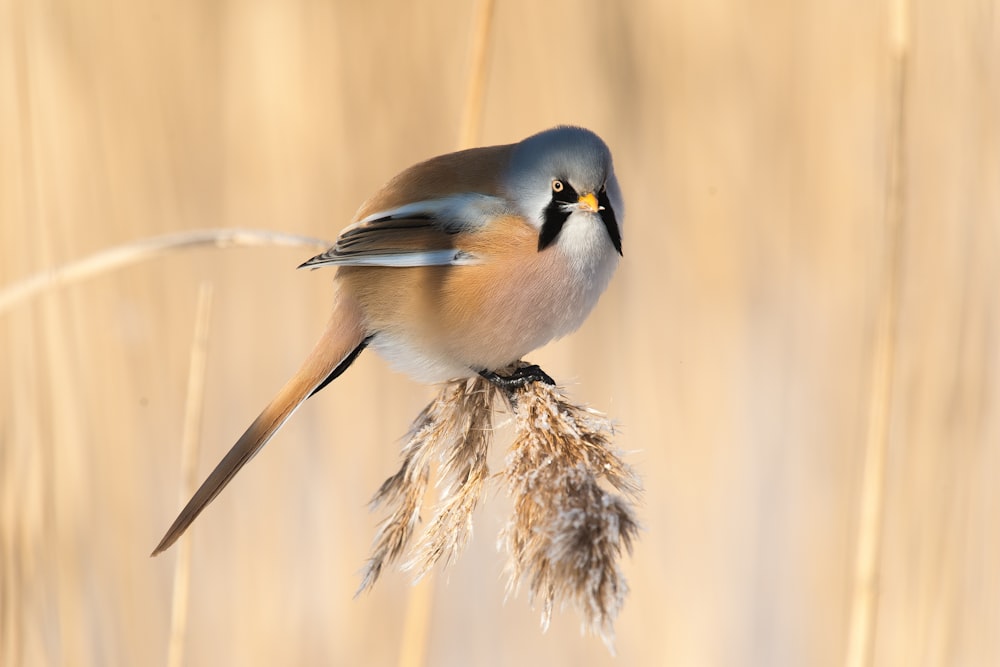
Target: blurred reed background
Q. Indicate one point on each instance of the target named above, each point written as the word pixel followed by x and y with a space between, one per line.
pixel 803 331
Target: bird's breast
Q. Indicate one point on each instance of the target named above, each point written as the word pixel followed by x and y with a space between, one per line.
pixel 440 322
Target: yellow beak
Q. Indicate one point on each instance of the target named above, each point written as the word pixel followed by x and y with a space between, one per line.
pixel 589 202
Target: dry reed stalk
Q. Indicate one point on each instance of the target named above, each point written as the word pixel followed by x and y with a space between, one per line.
pixel 10 567
pixel 568 531
pixel 141 250
pixel 864 600
pixel 475 91
pixel 190 446
pixel 416 625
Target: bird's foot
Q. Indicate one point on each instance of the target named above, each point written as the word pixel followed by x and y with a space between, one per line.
pixel 520 376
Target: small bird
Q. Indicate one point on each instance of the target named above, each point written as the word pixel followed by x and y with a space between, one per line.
pixel 458 266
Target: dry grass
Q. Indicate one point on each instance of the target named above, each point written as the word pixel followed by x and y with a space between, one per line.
pixel 567 534
pixel 454 429
pixel 743 346
pixel 864 602
pixel 143 250
pixel 190 447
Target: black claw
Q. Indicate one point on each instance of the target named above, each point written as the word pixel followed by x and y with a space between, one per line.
pixel 520 377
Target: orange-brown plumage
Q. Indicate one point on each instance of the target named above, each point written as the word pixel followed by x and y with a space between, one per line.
pixel 343 333
pixel 483 315
pixel 460 264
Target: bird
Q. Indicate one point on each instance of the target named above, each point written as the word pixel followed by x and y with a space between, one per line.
pixel 459 265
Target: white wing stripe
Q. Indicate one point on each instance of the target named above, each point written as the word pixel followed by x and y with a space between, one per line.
pixel 404 259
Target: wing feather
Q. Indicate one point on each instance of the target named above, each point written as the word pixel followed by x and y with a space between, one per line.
pixel 416 234
pixel 414 218
pixel 476 170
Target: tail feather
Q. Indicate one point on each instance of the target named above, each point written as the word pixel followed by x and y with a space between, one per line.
pixel 342 341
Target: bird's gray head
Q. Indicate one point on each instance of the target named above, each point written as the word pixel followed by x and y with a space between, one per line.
pixel 560 172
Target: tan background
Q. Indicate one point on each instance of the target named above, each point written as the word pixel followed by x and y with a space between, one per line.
pixel 736 347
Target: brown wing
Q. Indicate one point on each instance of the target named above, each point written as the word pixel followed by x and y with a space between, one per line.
pixel 412 219
pixel 473 170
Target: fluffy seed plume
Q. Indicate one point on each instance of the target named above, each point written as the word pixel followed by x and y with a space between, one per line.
pixel 573 497
pixel 454 429
pixel 568 531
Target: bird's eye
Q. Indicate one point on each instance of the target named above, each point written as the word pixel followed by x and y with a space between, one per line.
pixel 557 185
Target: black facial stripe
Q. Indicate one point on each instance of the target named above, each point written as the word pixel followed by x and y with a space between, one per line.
pixel 609 220
pixel 555 216
pixel 554 219
pixel 567 195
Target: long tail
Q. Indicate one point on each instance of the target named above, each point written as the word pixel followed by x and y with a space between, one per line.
pixel 342 341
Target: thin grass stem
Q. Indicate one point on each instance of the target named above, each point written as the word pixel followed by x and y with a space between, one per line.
pixel 190 446
pixel 417 623
pixel 121 256
pixel 864 600
pixel 475 90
